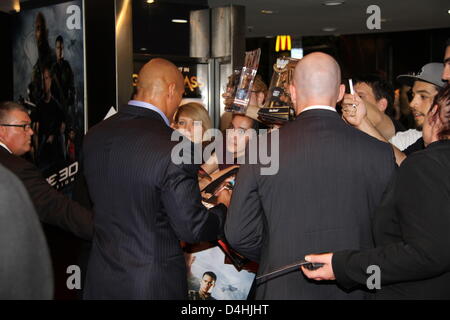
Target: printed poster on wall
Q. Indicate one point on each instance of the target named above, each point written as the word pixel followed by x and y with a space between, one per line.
pixel 48 64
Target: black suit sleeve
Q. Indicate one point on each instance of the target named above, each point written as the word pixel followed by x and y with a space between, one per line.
pixel 181 199
pixel 53 207
pixel 245 221
pixel 422 205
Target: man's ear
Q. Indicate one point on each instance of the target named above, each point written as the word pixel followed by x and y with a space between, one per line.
pixel 382 104
pixel 172 88
pixel 341 92
pixel 293 95
pixel 2 133
pixel 432 114
pixel 435 121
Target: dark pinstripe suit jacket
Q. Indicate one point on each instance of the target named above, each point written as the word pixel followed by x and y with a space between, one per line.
pixel 143 205
pixel 330 180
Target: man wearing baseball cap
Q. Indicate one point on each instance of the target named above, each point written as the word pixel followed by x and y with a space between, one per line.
pixel 425 86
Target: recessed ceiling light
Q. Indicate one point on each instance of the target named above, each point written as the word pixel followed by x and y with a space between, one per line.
pixel 150 1
pixel 179 21
pixel 333 3
pixel 268 11
pixel 329 29
pixel 143 49
pixel 269 37
pixel 448 11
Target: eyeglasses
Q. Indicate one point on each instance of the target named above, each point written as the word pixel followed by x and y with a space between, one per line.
pixel 25 127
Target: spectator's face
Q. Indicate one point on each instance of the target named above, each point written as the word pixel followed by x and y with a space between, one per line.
pixel 423 94
pixel 257 98
pixel 365 92
pixel 446 72
pixel 47 81
pixel 59 47
pixel 207 283
pixel 39 30
pixel 237 136
pixel 190 129
pixel 17 139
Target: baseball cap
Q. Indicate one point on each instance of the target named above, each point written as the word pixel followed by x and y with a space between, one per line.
pixel 431 73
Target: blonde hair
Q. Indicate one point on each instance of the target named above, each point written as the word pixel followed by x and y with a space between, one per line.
pixel 196 112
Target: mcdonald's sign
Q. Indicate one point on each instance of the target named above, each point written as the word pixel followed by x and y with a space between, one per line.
pixel 283 43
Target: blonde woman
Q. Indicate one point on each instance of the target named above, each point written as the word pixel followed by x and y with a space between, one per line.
pixel 192 120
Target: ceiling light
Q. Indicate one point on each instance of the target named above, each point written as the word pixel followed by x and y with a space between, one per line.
pixel 333 3
pixel 179 21
pixel 150 1
pixel 329 29
pixel 448 11
pixel 268 11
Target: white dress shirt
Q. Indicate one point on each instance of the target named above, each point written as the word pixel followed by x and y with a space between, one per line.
pixel 319 107
pixel 4 146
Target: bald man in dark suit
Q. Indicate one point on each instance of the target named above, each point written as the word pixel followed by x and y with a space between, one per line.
pixel 143 202
pixel 330 180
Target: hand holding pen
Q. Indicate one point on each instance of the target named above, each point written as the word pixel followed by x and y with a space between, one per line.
pixel 350 108
pixel 353 108
pixel 223 194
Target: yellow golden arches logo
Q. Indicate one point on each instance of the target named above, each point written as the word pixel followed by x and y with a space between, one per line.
pixel 283 43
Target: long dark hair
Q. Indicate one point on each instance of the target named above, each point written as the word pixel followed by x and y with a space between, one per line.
pixel 442 100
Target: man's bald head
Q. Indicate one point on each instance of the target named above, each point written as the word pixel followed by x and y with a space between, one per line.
pixel 157 74
pixel 161 84
pixel 317 79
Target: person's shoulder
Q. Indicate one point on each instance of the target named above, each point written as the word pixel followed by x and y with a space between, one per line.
pixel 425 158
pixel 422 163
pixel 12 181
pixel 66 64
pixel 13 162
pixel 367 141
pixel 193 295
pixel 6 175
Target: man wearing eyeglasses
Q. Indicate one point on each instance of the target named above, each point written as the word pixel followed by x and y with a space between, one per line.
pixel 52 207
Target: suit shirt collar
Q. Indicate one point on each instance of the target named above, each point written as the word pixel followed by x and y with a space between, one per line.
pixel 4 146
pixel 319 107
pixel 149 106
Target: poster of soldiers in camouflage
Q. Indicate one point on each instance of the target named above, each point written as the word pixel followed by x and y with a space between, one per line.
pixel 48 64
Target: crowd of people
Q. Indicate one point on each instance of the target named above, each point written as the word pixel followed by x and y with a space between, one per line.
pixel 355 180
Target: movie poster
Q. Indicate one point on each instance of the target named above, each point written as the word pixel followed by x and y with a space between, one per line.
pixel 210 278
pixel 48 64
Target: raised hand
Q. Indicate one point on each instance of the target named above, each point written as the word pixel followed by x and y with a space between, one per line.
pixel 353 109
